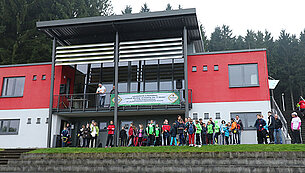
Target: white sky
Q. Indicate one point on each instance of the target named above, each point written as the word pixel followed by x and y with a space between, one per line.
pixel 240 15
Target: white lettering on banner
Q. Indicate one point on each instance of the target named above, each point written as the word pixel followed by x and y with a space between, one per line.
pixel 147 99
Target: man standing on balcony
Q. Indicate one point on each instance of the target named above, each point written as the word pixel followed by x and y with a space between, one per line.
pixel 101 91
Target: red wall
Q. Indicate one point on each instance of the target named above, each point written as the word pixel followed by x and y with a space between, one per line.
pixel 36 94
pixel 213 86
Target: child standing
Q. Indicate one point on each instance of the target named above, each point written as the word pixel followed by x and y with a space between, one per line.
pixel 210 133
pixel 217 132
pixel 181 128
pixel 141 134
pixel 191 131
pixel 130 135
pixel 158 135
pixel 165 130
pixel 204 134
pixel 226 131
pixel 123 137
pixel 198 132
pixel 64 137
pixel 151 132
pixel 173 133
pixel 110 129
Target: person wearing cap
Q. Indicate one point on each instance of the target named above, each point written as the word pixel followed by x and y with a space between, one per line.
pixel 295 128
pixel 101 91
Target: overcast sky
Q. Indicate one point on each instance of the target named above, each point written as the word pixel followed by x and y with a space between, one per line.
pixel 240 15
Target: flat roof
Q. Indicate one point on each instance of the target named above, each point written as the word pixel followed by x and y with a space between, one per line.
pixel 229 51
pixel 131 27
pixel 23 65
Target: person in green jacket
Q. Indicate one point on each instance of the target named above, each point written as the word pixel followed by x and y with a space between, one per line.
pixel 150 130
pixel 217 132
pixel 210 132
pixel 94 134
pixel 158 135
pixel 198 132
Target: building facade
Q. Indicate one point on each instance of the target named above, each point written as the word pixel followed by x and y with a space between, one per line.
pixel 156 59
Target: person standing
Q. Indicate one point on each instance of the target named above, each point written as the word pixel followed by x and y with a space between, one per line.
pixel 181 128
pixel 94 134
pixel 203 132
pixel 173 133
pixel 222 132
pixel 234 130
pixel 198 132
pixel 87 135
pixel 123 137
pixel 81 136
pixel 295 128
pixel 64 137
pixel 191 131
pixel 217 132
pixel 302 105
pixel 130 135
pixel 158 135
pixel 101 91
pixel 165 131
pixel 141 134
pixel 210 133
pixel 151 133
pixel 260 124
pixel 271 126
pixel 277 130
pixel 240 128
pixel 110 129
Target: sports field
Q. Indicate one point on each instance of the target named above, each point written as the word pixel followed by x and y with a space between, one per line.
pixel 208 148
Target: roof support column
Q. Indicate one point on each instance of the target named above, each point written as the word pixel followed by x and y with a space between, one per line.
pixel 116 81
pixel 185 72
pixel 51 95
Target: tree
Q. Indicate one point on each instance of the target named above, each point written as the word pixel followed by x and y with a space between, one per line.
pixel 127 10
pixel 221 39
pixel 204 37
pixel 168 7
pixel 144 8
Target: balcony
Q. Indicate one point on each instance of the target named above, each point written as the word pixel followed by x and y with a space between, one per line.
pixel 146 101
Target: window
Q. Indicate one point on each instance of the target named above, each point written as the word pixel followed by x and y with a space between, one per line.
pixel 35 77
pixel 13 86
pixel 217 115
pixel 43 77
pixel 205 68
pixel 9 127
pixel 194 68
pixel 195 116
pixel 243 75
pixel 206 116
pixel 216 68
pixel 103 125
pixel 29 121
pixel 38 120
pixel 248 118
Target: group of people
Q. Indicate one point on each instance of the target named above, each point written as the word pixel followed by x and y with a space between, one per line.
pixel 186 132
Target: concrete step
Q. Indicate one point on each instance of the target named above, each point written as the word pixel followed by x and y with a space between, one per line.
pixel 158 162
pixel 145 168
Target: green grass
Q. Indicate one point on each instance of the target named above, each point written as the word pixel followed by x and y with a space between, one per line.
pixel 209 148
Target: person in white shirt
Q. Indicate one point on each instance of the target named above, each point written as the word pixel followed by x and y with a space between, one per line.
pixel 295 128
pixel 101 91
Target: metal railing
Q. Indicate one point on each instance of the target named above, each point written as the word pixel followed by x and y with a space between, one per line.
pixel 276 110
pixel 91 102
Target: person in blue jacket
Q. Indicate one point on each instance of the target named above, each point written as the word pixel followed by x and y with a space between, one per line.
pixel 64 137
pixel 173 134
pixel 226 132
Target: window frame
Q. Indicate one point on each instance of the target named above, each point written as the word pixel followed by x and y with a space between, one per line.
pixel 204 115
pixel 218 118
pixel 195 113
pixel 216 69
pixel 9 123
pixel 194 68
pixel 243 85
pixel 5 87
pixel 203 68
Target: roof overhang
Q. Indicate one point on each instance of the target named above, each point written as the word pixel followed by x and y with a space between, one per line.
pixel 131 27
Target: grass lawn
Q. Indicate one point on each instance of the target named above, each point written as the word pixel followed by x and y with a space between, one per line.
pixel 209 148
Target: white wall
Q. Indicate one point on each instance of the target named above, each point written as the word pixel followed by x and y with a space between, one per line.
pixel 56 122
pixel 226 108
pixel 29 135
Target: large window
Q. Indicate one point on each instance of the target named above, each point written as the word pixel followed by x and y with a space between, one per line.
pixel 243 75
pixel 13 86
pixel 248 118
pixel 9 127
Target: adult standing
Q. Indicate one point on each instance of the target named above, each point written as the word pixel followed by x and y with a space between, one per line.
pixel 101 91
pixel 94 134
pixel 234 130
pixel 296 127
pixel 277 130
pixel 271 126
pixel 87 135
pixel 110 129
pixel 260 125
pixel 240 128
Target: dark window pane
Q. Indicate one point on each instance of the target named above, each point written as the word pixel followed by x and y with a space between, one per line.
pixel 205 68
pixel 243 75
pixel 4 126
pixel 14 126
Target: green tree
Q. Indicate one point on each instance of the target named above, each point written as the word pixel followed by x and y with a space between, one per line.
pixel 127 10
pixel 221 39
pixel 144 8
pixel 168 7
pixel 204 37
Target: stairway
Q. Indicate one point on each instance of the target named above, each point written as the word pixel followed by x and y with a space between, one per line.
pixel 237 162
pixel 11 155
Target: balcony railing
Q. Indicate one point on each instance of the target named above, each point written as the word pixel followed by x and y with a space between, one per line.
pixel 90 102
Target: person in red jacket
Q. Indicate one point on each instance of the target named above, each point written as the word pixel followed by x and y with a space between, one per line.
pixel 165 131
pixel 110 129
pixel 302 105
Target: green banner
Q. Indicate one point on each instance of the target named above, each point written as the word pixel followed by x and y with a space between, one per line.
pixel 148 98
